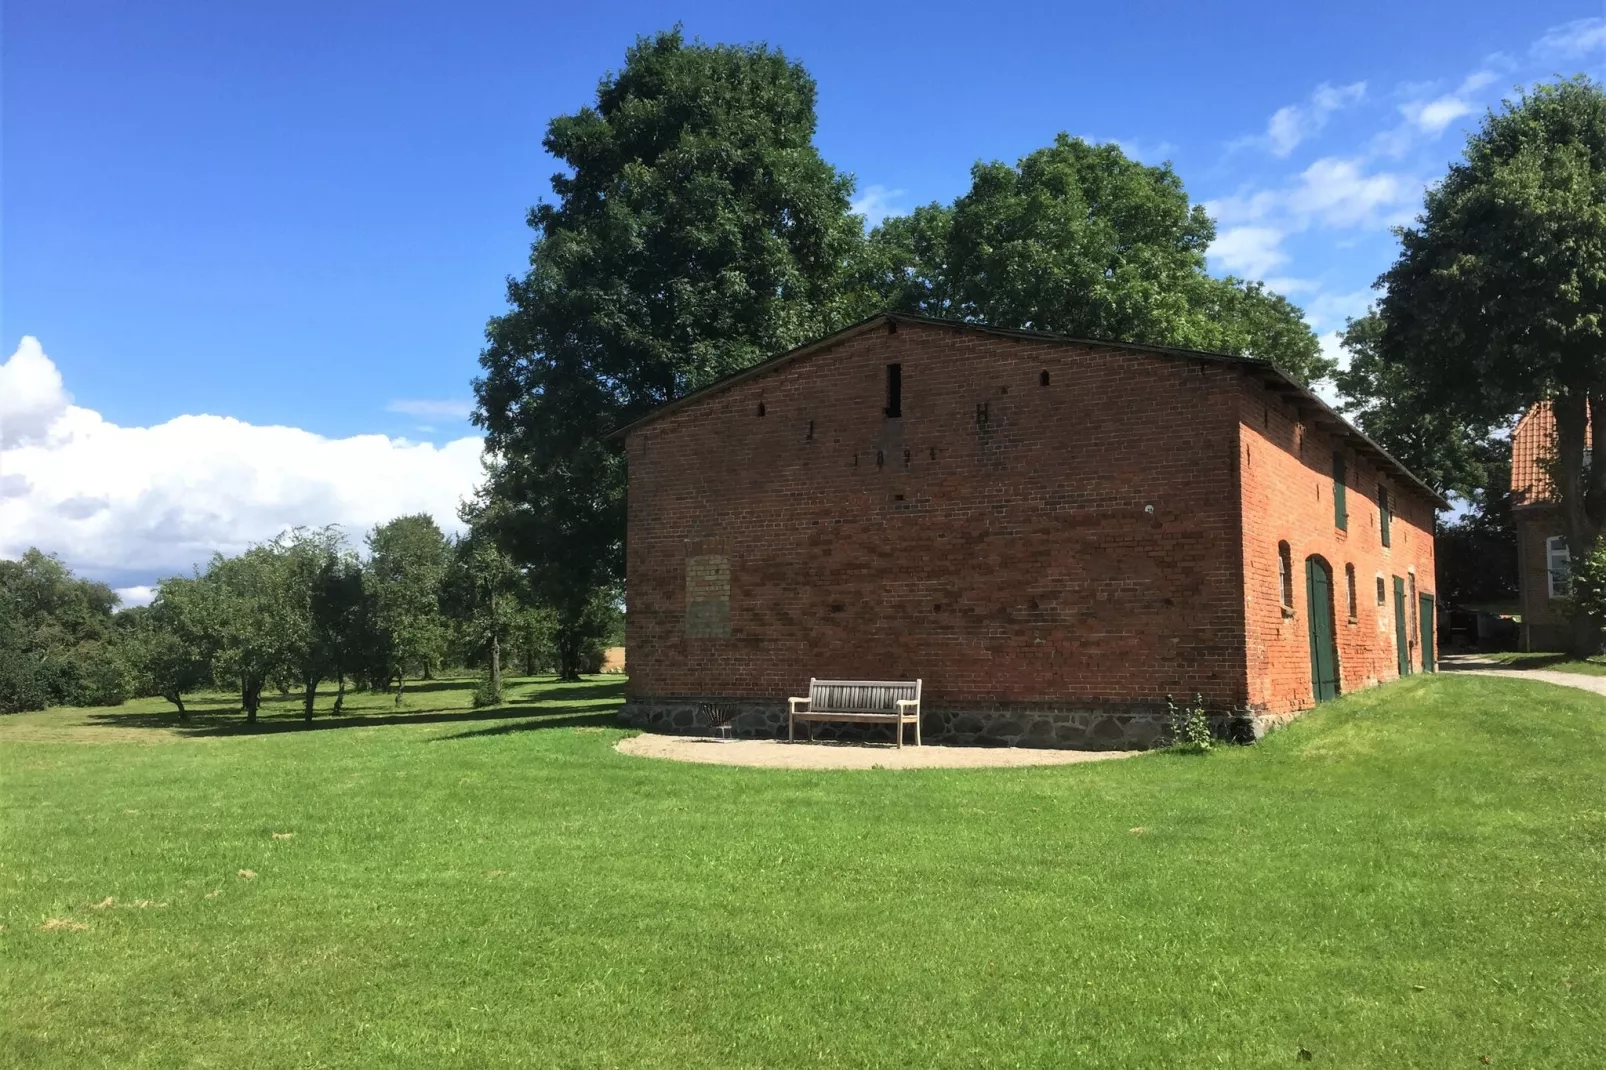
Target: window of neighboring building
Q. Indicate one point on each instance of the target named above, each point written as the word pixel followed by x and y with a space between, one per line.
pixel 1382 603
pixel 1340 495
pixel 1384 515
pixel 894 390
pixel 1559 563
pixel 1285 576
pixel 1354 606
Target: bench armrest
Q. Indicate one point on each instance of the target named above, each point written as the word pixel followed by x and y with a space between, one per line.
pixel 793 703
pixel 908 702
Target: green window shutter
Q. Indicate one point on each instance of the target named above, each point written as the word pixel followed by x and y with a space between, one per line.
pixel 1340 500
pixel 1384 515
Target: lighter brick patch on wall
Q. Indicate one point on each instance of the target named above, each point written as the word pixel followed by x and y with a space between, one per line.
pixel 708 596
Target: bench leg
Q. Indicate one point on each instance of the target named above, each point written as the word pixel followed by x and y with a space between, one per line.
pixel 789 727
pixel 917 730
pixel 900 733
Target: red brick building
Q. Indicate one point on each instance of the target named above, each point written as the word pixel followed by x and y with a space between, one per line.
pixel 1053 534
pixel 1544 572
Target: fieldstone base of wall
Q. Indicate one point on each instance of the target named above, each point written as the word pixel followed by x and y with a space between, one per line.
pixel 1084 726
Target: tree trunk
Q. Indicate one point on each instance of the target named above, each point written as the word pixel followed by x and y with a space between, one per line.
pixel 251 699
pixel 340 693
pixel 309 697
pixel 496 667
pixel 1580 490
pixel 401 683
pixel 178 700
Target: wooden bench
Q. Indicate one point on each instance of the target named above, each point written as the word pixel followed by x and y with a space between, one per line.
pixel 895 702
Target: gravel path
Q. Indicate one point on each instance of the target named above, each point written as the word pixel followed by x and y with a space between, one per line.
pixel 774 754
pixel 1471 663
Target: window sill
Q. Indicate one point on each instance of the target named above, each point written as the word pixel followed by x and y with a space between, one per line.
pixel 1288 613
pixel 1355 620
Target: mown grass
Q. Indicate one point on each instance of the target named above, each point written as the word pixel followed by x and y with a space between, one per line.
pixel 1411 876
pixel 1513 659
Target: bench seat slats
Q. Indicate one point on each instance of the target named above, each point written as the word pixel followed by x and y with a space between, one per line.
pixel 860 701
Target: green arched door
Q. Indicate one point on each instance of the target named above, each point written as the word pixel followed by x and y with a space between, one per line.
pixel 1319 613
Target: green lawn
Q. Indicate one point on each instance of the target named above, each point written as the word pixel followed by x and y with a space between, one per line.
pixel 1412 876
pixel 1512 659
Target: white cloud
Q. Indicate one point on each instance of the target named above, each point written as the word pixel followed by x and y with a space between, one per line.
pixel 1340 193
pixel 140 595
pixel 1432 116
pixel 1296 123
pixel 1330 311
pixel 1332 192
pixel 156 500
pixel 449 408
pixel 1249 251
pixel 31 394
pixel 876 204
pixel 1572 40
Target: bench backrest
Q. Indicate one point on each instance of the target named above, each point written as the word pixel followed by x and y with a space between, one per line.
pixel 861 696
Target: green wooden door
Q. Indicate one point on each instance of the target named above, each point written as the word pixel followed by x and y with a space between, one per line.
pixel 1401 646
pixel 1319 611
pixel 1429 661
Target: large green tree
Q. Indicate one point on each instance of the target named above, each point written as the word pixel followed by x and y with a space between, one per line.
pixel 57 643
pixel 1498 298
pixel 407 563
pixel 695 231
pixel 1078 239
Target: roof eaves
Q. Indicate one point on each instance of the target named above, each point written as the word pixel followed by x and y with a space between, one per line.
pixel 1258 365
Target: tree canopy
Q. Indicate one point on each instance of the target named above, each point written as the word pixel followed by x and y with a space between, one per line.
pixel 695 231
pixel 1079 239
pixel 1497 300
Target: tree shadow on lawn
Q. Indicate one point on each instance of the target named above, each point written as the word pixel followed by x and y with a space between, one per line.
pixel 568 719
pixel 595 690
pixel 218 721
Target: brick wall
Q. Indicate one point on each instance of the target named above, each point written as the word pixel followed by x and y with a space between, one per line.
pixel 1544 624
pixel 1287 479
pixel 1060 555
pixel 996 540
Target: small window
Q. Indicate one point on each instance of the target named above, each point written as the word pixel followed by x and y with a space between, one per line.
pixel 1285 576
pixel 1382 592
pixel 1384 516
pixel 1354 602
pixel 894 390
pixel 1340 495
pixel 1560 566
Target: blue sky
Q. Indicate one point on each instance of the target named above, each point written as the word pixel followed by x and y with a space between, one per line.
pixel 302 214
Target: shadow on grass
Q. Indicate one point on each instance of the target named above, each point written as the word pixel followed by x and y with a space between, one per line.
pixel 563 719
pixel 207 724
pixel 597 690
pixel 225 719
pixel 1453 661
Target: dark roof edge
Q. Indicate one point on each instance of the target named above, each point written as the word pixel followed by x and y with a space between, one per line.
pixel 1264 367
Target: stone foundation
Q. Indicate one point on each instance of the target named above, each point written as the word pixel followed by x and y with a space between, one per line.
pixel 1084 726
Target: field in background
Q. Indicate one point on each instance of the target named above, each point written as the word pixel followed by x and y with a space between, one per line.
pixel 1408 876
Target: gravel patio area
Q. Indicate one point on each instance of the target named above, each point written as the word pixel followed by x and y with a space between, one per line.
pixel 776 754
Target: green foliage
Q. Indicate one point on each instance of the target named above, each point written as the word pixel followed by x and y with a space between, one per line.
pixel 487 691
pixel 1079 239
pixel 408 559
pixel 163 658
pixel 696 230
pixel 56 637
pixel 1495 302
pixel 1392 403
pixel 1189 727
